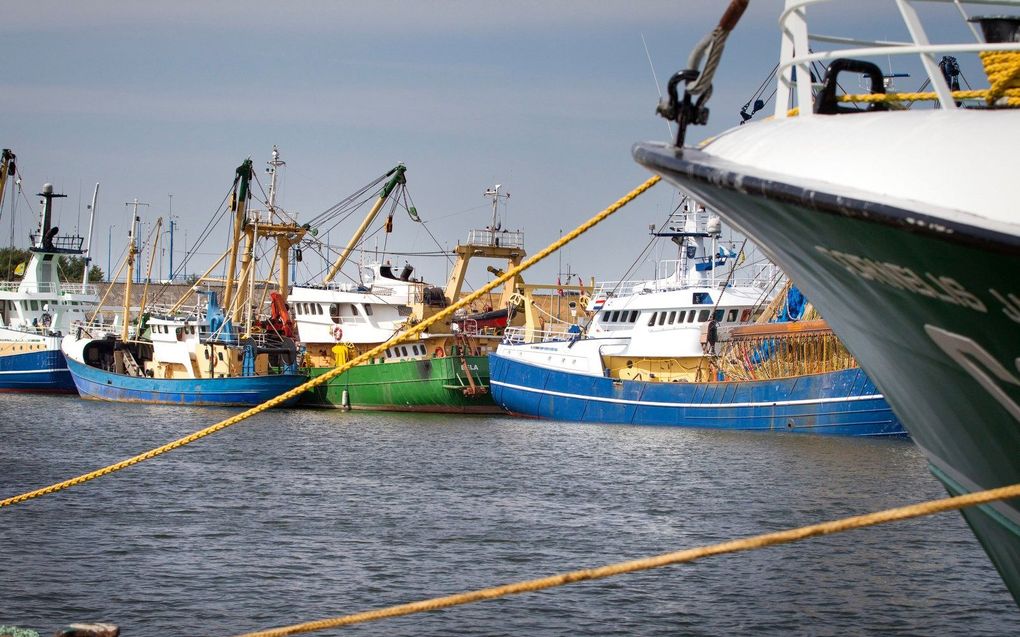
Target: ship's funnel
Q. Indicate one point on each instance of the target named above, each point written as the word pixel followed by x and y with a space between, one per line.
pixel 999 28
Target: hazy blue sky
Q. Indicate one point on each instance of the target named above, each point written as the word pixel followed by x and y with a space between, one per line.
pixel 545 98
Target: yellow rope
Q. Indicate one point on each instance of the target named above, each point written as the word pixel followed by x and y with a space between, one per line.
pixel 1003 71
pixel 1001 67
pixel 372 353
pixel 658 561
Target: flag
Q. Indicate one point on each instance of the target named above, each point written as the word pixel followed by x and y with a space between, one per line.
pixel 559 290
pixel 20 269
pixel 413 213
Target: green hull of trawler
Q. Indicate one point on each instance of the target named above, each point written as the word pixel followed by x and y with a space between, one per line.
pixel 436 385
pixel 930 307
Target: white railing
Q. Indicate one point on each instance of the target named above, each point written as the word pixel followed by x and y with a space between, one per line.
pixel 760 277
pixel 498 238
pixel 518 335
pixel 798 52
pixel 50 288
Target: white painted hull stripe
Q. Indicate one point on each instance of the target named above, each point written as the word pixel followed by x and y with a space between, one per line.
pixel 647 403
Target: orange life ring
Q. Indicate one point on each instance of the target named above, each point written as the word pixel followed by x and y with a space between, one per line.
pixel 440 352
pixel 338 333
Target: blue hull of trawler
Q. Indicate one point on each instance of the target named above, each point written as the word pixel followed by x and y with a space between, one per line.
pixel 243 391
pixel 44 371
pixel 843 403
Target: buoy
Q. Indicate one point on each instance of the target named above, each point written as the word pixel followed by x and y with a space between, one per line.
pixel 345 400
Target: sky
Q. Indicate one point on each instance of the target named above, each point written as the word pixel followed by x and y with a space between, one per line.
pixel 545 98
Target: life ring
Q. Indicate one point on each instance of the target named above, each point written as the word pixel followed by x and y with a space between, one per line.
pixel 440 352
pixel 338 333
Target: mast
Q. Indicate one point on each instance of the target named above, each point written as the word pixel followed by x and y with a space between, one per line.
pixel 398 178
pixel 7 169
pixel 87 255
pixel 132 251
pixel 242 178
pixel 274 165
pixel 496 196
pixel 136 203
pixel 44 241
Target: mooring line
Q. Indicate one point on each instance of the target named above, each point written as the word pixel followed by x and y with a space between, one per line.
pixel 372 353
pixel 678 557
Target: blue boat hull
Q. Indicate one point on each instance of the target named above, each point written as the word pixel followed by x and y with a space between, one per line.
pixel 44 371
pixel 843 403
pixel 98 384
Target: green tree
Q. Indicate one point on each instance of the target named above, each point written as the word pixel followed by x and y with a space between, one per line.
pixel 9 260
pixel 71 269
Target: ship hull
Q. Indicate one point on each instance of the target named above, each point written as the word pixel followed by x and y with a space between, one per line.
pixel 98 384
pixel 843 403
pixel 930 308
pixel 44 372
pixel 437 385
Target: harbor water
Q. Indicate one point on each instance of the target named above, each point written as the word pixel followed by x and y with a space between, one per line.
pixel 298 515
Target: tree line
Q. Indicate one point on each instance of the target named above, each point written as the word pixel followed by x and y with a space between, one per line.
pixel 68 268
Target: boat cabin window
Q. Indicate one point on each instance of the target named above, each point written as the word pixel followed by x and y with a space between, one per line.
pixel 732 316
pixel 745 315
pixel 633 316
pixel 662 318
pixel 334 312
pixel 672 317
pixel 719 315
pixel 354 310
pixel 34 305
pixel 367 309
pixel 614 317
pixel 690 317
pixel 683 314
pixel 703 316
pixel 403 351
pixel 702 298
pixel 651 320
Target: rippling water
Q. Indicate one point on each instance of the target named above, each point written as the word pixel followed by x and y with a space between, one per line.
pixel 299 515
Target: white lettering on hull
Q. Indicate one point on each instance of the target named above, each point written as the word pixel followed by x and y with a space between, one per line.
pixel 933 286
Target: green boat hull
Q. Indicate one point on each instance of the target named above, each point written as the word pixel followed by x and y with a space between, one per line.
pixel 437 385
pixel 930 308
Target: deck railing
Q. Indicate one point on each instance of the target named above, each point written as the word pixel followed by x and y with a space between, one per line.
pixel 799 50
pixel 51 288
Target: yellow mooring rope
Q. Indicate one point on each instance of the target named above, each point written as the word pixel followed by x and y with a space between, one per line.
pixel 1001 67
pixel 665 559
pixel 372 353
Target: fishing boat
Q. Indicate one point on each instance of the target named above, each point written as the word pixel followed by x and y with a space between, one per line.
pixel 39 309
pixel 446 370
pixel 219 356
pixel 900 223
pixel 681 350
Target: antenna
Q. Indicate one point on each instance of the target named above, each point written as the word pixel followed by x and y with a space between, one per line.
pixel 655 78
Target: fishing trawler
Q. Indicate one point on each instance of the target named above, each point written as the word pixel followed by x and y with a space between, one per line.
pixel 37 311
pixel 900 223
pixel 222 356
pixel 681 350
pixel 445 370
